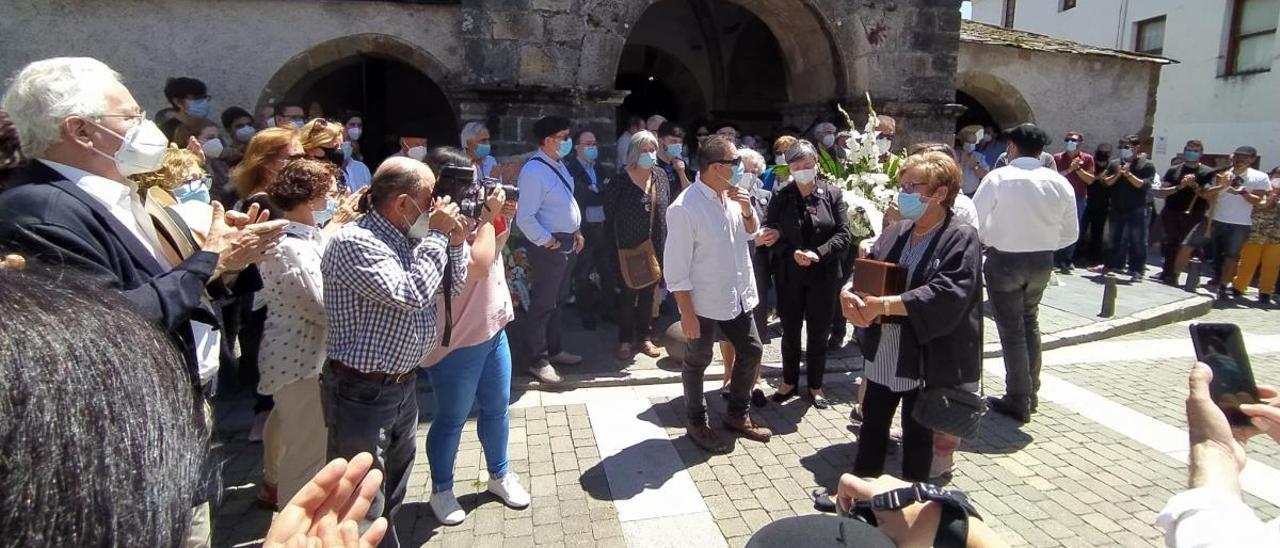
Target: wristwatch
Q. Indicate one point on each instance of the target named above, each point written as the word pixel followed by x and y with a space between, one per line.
pixel 886 306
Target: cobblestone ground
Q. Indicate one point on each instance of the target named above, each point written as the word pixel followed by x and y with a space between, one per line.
pixel 1062 480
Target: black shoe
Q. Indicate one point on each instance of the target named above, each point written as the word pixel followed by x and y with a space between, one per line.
pixel 1223 296
pixel 819 402
pixel 758 399
pixel 1005 407
pixel 836 342
pixel 1264 299
pixel 1236 293
pixel 779 397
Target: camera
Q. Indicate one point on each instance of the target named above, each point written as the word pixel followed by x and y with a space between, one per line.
pixel 459 183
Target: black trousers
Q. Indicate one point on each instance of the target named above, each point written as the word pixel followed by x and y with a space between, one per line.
pixel 839 325
pixel 761 263
pixel 741 333
pixel 1093 234
pixel 878 406
pixel 550 273
pixel 1177 224
pixel 806 304
pixel 595 257
pixel 253 322
pixel 635 313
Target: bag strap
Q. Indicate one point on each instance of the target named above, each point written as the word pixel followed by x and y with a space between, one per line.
pixel 553 169
pixel 653 201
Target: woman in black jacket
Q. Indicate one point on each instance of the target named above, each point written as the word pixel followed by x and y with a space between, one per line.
pixel 932 333
pixel 808 221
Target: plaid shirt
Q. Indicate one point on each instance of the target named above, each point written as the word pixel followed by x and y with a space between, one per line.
pixel 379 294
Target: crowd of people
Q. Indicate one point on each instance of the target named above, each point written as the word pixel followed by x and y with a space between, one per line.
pixel 331 288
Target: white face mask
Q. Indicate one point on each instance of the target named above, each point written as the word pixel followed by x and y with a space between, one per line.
pixel 141 149
pixel 354 133
pixel 980 134
pixel 417 153
pixel 884 144
pixel 271 121
pixel 805 176
pixel 780 160
pixel 212 148
pixel 828 140
pixel 422 226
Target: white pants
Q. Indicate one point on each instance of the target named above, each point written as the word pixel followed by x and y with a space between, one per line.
pixel 201 534
pixel 295 439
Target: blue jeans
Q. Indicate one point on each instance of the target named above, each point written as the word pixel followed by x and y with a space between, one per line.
pixel 1066 255
pixel 478 376
pixel 380 419
pixel 1129 240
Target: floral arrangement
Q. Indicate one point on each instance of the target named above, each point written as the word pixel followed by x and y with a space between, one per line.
pixel 869 183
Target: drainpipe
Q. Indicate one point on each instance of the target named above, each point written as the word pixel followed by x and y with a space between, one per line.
pixel 1124 18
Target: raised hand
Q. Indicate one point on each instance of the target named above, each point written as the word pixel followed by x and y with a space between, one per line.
pixel 328 510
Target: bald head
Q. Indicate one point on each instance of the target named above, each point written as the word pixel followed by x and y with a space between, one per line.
pixel 401 190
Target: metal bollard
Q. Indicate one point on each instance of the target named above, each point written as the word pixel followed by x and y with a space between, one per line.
pixel 1194 266
pixel 1109 292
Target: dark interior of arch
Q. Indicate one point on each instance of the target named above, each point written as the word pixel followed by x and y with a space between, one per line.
pixel 694 59
pixel 388 93
pixel 975 112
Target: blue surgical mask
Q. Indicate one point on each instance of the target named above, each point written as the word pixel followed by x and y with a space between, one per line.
pixel 1126 153
pixel 647 160
pixel 736 177
pixel 194 191
pixel 198 108
pixel 566 146
pixel 346 150
pixel 245 133
pixel 1072 146
pixel 970 147
pixel 675 150
pixel 911 206
pixel 483 150
pixel 1191 155
pixel 325 215
pixel 297 124
pixel 591 152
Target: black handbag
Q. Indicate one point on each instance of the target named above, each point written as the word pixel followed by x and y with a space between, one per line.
pixel 950 410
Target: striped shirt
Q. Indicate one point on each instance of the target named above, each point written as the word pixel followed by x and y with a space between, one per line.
pixel 379 294
pixel 883 370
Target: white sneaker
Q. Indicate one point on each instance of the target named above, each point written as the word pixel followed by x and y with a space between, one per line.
pixel 446 508
pixel 509 490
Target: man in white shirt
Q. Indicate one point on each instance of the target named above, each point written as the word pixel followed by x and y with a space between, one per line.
pixel 1235 193
pixel 707 266
pixel 635 124
pixel 1026 212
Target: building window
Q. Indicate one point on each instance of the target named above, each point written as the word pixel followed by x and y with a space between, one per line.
pixel 1010 6
pixel 1253 32
pixel 1066 5
pixel 1150 36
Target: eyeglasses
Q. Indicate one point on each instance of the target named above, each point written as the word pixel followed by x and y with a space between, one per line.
pixel 733 162
pixel 141 115
pixel 911 187
pixel 1071 140
pixel 320 123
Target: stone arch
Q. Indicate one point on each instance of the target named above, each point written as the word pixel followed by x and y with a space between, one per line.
pixel 819 57
pixel 1005 103
pixel 321 59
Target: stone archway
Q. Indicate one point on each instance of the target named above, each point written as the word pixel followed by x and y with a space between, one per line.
pixel 321 59
pixel 1004 102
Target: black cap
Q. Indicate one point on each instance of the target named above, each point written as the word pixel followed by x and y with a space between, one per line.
pixel 549 126
pixel 1246 150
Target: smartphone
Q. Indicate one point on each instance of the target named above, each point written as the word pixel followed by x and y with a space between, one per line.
pixel 1221 347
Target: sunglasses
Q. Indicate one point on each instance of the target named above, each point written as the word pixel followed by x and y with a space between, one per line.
pixel 733 162
pixel 1072 140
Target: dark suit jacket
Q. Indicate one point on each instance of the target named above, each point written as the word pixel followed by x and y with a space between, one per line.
pixel 941 340
pixel 45 217
pixel 786 213
pixel 582 182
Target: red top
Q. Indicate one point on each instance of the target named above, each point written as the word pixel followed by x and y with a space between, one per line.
pixel 1086 163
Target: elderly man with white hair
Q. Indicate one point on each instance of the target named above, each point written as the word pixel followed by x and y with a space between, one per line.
pixel 654 122
pixel 475 139
pixel 824 135
pixel 74 206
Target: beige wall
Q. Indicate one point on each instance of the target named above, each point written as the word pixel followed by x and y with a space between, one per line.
pixel 1104 98
pixel 235 46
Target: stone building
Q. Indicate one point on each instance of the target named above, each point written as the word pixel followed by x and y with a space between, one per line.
pixel 1006 77
pixel 762 63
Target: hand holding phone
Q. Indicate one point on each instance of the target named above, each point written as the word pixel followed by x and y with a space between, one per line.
pixel 1221 347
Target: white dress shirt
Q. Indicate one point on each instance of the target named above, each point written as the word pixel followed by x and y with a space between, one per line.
pixel 293 338
pixel 1026 207
pixel 123 202
pixel 707 253
pixel 1207 517
pixel 965 211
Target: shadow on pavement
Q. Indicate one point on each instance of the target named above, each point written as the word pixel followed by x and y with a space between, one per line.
pixel 997 435
pixel 830 462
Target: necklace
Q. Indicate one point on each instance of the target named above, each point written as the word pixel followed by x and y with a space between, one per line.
pixel 916 232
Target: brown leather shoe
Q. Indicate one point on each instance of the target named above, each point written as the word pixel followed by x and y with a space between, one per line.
pixel 625 352
pixel 649 349
pixel 706 438
pixel 746 428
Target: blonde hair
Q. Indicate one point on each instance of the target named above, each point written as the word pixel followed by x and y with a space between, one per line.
pixel 263 148
pixel 938 169
pixel 320 132
pixel 179 167
pixel 784 144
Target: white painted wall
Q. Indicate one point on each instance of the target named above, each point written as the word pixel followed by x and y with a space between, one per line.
pixel 1193 101
pixel 235 46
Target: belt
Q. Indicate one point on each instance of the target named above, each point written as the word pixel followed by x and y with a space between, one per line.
pixel 373 376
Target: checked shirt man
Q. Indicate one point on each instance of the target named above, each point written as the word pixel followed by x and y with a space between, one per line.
pixel 381 278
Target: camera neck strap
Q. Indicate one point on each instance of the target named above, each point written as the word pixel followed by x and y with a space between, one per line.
pixel 953 528
pixel 567 186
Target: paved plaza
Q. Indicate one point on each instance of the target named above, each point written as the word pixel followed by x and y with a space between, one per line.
pixel 609 466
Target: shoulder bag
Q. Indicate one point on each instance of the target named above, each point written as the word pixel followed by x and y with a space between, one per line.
pixel 639 265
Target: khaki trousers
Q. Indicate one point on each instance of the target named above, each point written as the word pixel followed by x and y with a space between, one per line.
pixel 294 440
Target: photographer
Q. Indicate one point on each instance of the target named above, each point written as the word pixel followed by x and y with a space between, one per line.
pixel 1211 511
pixel 381 278
pixel 475 369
